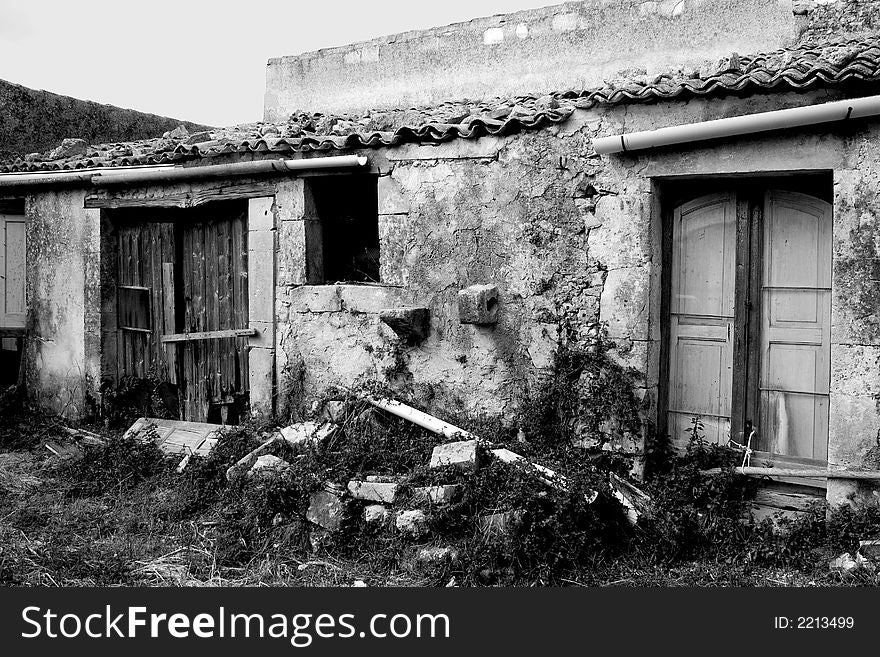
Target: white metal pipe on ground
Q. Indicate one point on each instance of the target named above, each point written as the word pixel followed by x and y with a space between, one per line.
pixel 169 173
pixel 840 110
pixel 422 419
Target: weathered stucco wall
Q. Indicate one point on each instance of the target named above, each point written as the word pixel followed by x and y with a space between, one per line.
pixel 571 45
pixel 63 293
pixel 570 239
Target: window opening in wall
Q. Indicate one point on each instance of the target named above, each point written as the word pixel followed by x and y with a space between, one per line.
pixel 342 240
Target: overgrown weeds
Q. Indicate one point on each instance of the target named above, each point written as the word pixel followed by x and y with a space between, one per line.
pixel 121 514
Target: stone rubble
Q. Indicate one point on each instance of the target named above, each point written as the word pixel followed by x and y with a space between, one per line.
pixel 463 454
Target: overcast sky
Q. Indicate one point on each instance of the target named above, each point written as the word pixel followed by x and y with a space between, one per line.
pixel 192 59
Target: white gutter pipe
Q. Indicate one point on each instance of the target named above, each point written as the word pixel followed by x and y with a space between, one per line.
pixel 840 110
pixel 168 173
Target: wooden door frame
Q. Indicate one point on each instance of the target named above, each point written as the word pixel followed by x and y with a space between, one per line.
pixel 749 190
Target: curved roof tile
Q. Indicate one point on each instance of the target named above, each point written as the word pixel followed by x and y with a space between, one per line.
pixel 806 66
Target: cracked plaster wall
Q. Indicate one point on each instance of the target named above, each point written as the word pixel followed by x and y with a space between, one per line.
pixel 63 292
pixel 571 239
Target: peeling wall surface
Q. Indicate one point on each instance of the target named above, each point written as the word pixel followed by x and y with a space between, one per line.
pixel 63 291
pixel 571 45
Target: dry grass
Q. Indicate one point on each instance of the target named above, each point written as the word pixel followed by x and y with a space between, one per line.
pixel 56 532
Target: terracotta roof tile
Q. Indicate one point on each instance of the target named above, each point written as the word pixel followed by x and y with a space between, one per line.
pixel 806 66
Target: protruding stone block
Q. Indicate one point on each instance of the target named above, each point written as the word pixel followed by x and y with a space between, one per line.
pixel 462 454
pixel 478 304
pixel 411 324
pixel 373 491
pixel 436 494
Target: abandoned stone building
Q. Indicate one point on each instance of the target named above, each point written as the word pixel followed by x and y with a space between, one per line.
pixel 465 195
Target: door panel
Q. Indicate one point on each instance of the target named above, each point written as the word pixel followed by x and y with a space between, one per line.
pixel 701 316
pixel 215 293
pixel 796 326
pixel 13 311
pixel 182 272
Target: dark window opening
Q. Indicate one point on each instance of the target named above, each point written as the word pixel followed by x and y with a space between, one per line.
pixel 342 238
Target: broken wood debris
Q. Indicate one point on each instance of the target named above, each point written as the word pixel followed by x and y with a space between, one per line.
pixel 636 502
pixel 296 435
pixel 803 473
pixel 177 436
pixel 62 451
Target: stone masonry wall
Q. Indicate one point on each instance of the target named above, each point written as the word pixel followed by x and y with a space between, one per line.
pixel 572 239
pixel 571 45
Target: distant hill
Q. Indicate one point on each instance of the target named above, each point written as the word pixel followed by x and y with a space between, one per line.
pixel 36 121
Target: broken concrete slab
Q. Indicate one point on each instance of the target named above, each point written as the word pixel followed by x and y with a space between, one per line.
pixel 411 324
pixel 437 495
pixel 846 564
pixel 413 523
pixel 303 434
pixel 326 508
pixel 463 454
pixel 478 304
pixel 377 514
pixel 373 491
pixel 267 464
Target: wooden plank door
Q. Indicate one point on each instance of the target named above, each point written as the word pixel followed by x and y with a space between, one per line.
pixel 701 316
pixel 795 339
pixel 13 311
pixel 144 249
pixel 213 266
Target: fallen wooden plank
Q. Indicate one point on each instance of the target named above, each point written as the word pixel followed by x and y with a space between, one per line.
pixel 636 502
pixel 804 473
pixel 209 335
pixel 785 500
pixel 177 436
pixel 246 461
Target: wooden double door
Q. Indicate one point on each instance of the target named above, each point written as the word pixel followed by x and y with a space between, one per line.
pixel 749 320
pixel 182 305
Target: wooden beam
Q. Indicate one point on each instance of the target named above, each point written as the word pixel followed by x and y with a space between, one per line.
pixel 805 473
pixel 189 199
pixel 209 335
pixel 12 332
